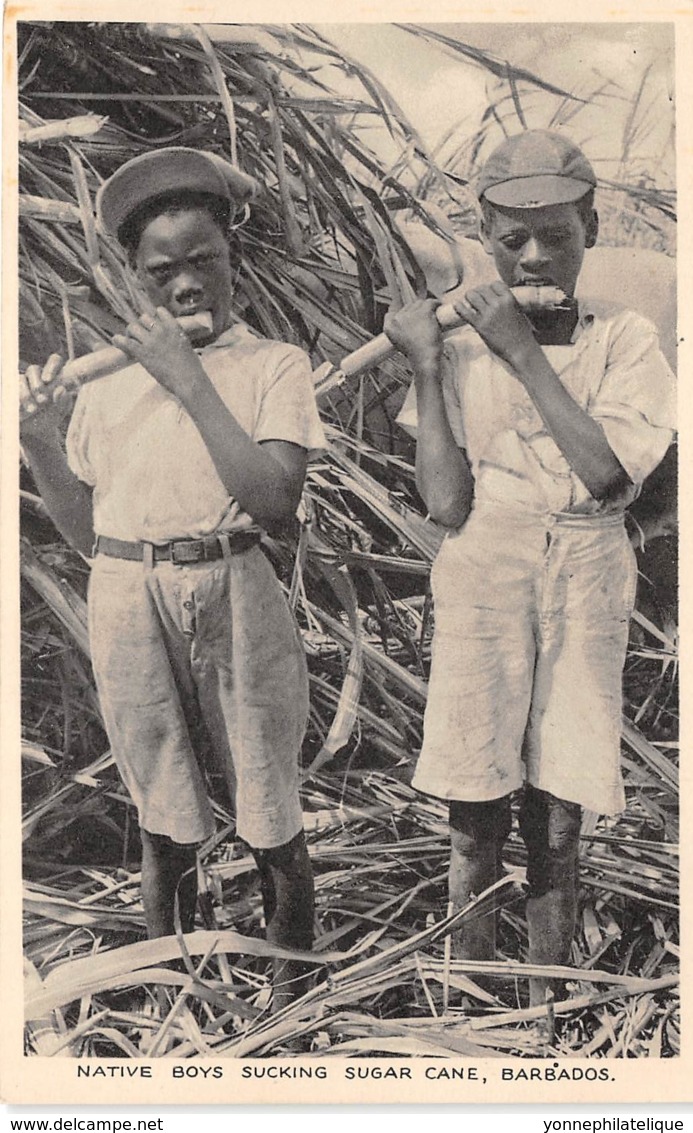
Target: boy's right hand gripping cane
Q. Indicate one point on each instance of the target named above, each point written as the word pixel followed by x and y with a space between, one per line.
pixel 328 376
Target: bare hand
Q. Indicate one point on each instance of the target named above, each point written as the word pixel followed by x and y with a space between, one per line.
pixel 415 331
pixel 157 342
pixel 44 400
pixel 498 319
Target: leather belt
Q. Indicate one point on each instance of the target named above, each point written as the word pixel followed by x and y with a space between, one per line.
pixel 181 552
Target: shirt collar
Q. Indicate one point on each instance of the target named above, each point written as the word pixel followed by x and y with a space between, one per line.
pixel 586 317
pixel 231 337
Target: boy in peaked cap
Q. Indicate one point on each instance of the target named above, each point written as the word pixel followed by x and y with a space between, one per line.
pixel 173 467
pixel 534 433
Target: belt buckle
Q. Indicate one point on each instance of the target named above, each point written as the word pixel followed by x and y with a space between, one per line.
pixel 184 552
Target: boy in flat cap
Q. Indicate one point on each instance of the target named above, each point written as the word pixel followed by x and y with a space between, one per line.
pixel 534 434
pixel 173 467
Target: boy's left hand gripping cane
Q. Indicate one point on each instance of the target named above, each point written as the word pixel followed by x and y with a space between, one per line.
pixel 100 363
pixel 327 376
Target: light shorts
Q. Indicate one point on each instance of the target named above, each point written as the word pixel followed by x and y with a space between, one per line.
pixel 201 668
pixel 531 631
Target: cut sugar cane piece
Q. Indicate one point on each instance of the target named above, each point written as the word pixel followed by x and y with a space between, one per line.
pixel 100 363
pixel 327 376
pixel 529 298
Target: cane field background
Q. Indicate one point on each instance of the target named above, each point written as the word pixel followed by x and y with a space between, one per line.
pixel 321 256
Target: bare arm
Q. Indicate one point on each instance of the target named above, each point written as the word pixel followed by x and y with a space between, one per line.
pixel 266 479
pixel 581 439
pixel 443 475
pixel 496 317
pixel 68 500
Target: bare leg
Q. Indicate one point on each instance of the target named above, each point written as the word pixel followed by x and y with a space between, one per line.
pixel 168 867
pixel 477 834
pixel 551 831
pixel 286 879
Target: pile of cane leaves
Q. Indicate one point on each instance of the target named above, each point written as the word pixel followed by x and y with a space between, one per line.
pixel 319 262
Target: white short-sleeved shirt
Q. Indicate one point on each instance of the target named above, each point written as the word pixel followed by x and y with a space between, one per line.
pixel 613 369
pixel 152 474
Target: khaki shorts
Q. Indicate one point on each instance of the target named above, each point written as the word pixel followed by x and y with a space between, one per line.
pixel 201 669
pixel 531 631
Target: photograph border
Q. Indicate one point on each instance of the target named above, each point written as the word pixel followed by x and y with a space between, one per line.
pixel 36 1080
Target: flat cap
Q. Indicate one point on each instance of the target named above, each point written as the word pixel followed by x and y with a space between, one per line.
pixel 533 169
pixel 173 169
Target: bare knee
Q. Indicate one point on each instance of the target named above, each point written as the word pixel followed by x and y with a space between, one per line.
pixel 164 852
pixel 474 826
pixel 285 857
pixel 550 828
pixel 169 873
pixel 286 881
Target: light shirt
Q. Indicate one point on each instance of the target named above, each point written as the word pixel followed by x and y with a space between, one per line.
pixel 613 369
pixel 152 474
